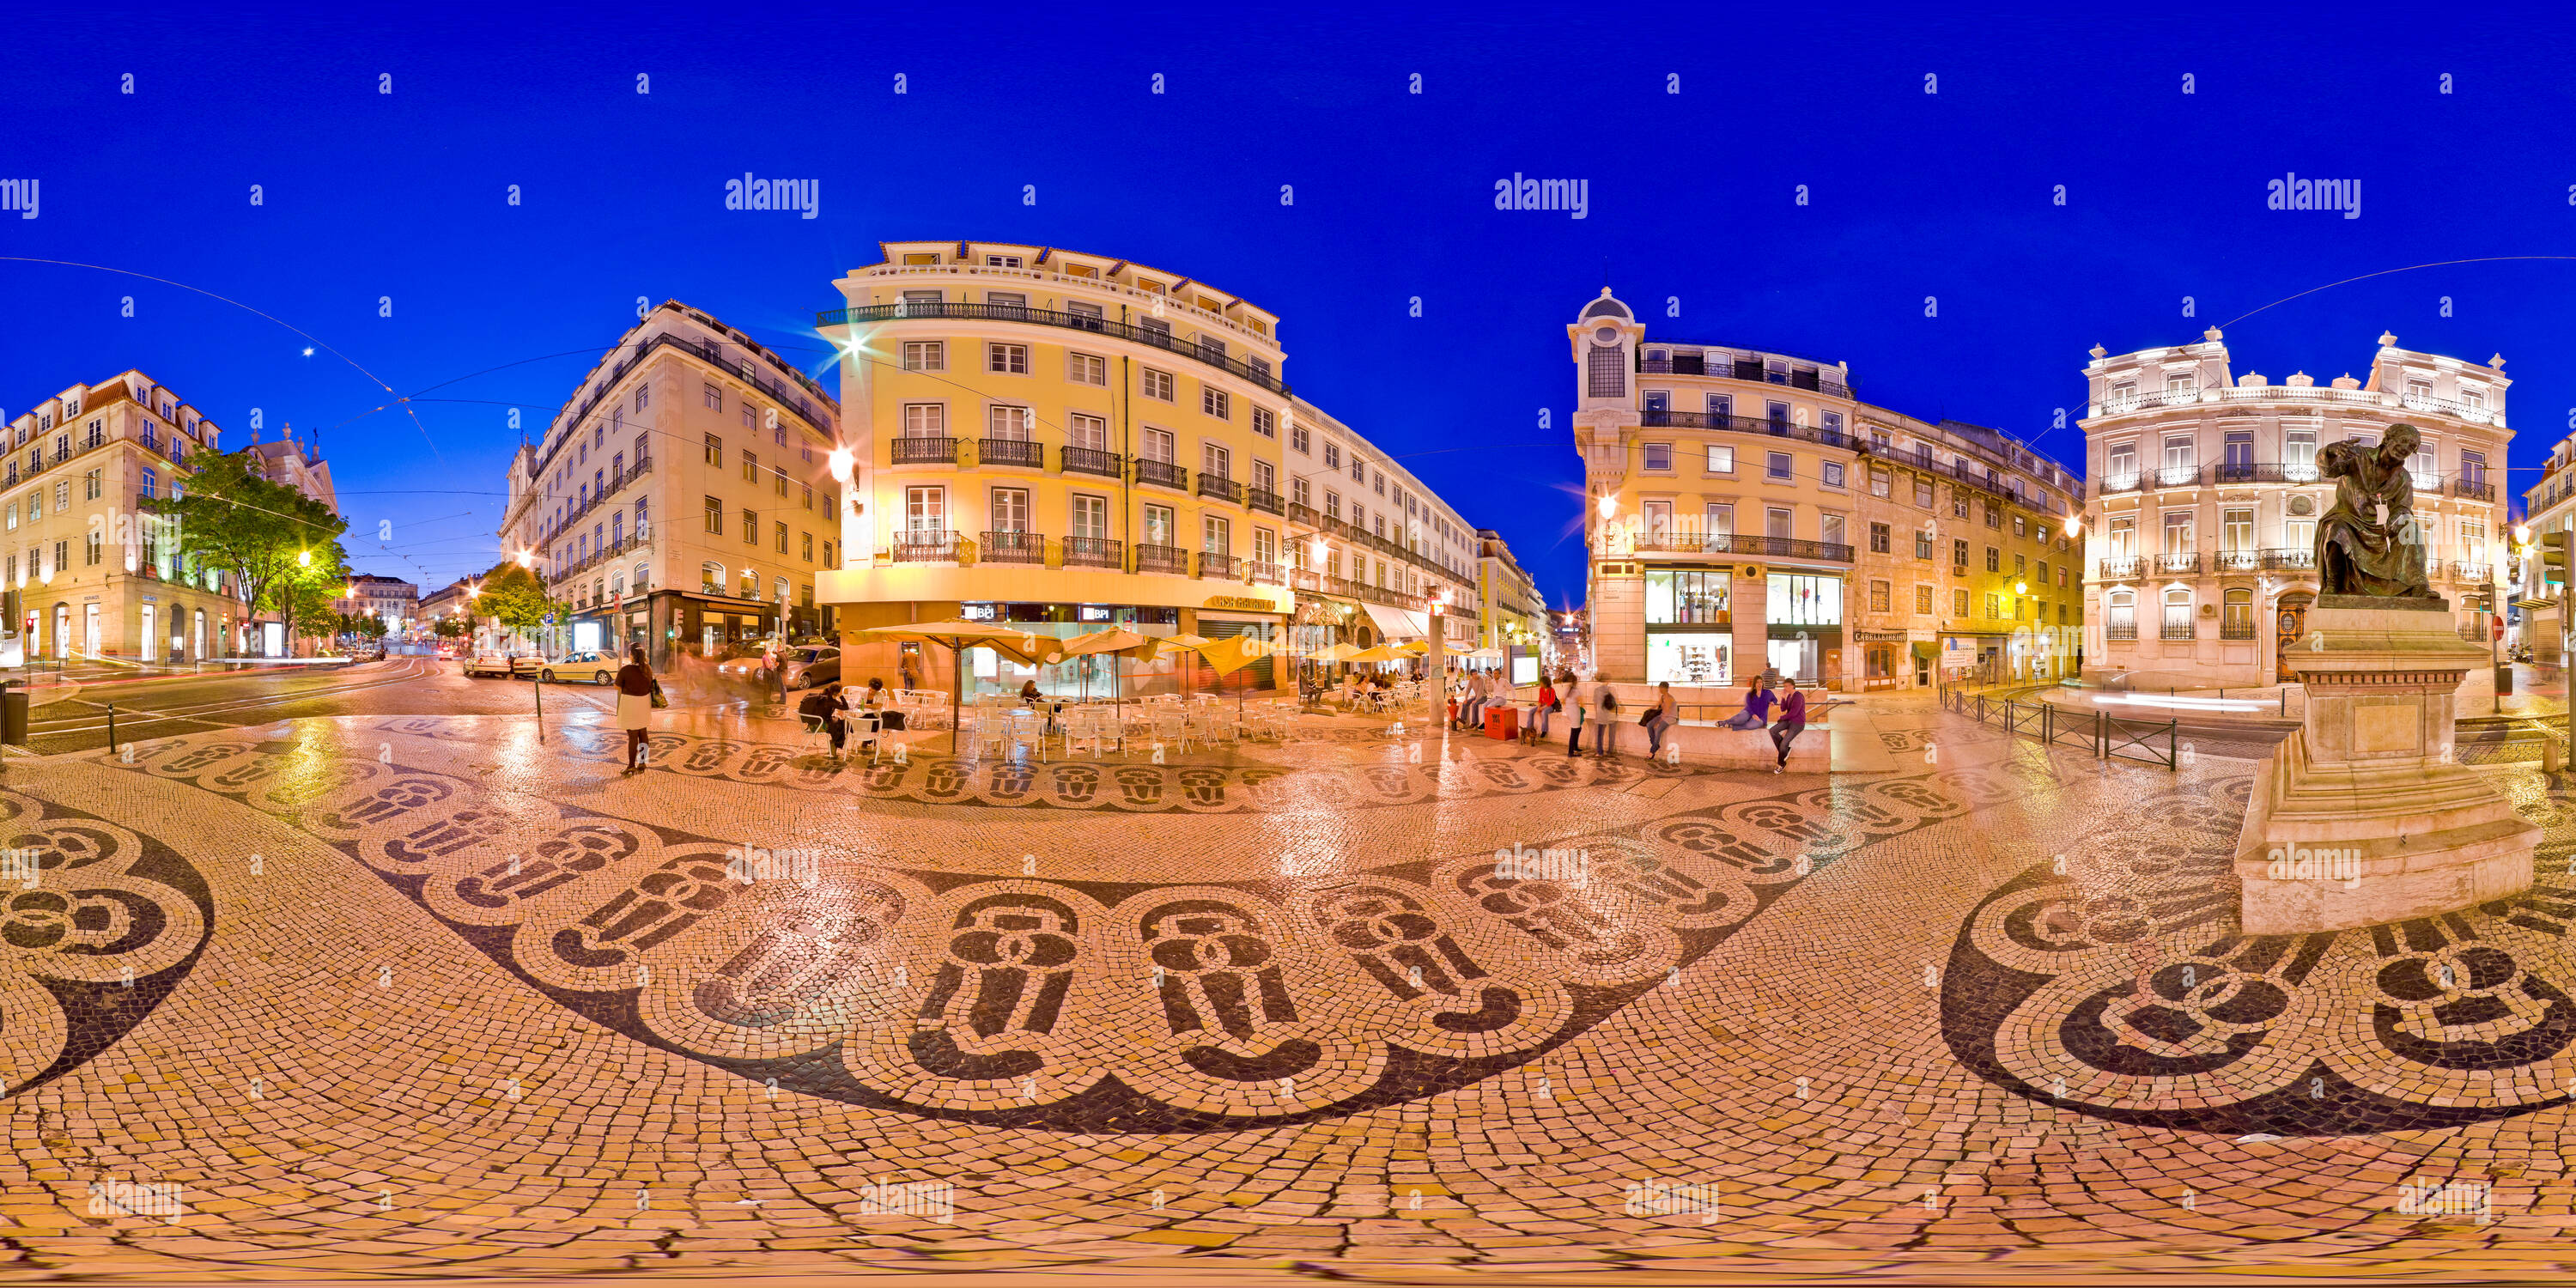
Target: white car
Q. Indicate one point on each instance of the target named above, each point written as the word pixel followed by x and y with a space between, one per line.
pixel 483 664
pixel 594 668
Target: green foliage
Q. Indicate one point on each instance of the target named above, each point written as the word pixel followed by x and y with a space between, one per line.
pixel 450 627
pixel 512 597
pixel 262 533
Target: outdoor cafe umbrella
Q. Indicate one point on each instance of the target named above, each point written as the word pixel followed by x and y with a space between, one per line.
pixel 957 636
pixel 1381 653
pixel 1186 644
pixel 1227 656
pixel 1116 640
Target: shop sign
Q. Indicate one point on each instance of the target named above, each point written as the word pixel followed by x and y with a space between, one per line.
pixel 1240 603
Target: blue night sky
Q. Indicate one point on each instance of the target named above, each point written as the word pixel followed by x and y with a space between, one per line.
pixel 1912 194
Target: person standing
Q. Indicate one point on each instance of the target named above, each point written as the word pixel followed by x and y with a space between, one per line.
pixel 1793 721
pixel 1574 706
pixel 1605 713
pixel 636 689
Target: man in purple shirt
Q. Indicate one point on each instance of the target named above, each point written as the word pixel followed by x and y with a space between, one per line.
pixel 1793 721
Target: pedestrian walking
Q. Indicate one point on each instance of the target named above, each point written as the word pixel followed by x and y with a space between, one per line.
pixel 1793 721
pixel 1666 714
pixel 637 691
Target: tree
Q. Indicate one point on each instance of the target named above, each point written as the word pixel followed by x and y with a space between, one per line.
pixel 449 627
pixel 263 534
pixel 512 597
pixel 371 626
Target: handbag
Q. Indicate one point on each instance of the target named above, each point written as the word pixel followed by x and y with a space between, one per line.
pixel 659 702
pixel 1649 717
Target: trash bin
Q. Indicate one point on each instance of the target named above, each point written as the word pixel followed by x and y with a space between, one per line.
pixel 1502 723
pixel 13 715
pixel 2504 680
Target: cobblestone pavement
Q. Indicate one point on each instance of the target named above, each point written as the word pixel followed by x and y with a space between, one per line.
pixel 419 995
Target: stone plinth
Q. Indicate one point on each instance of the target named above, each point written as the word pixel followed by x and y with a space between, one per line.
pixel 2365 815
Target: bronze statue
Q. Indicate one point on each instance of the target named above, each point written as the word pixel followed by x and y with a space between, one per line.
pixel 2358 552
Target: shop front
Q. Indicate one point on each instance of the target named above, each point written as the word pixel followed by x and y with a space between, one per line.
pixel 1690 626
pixel 1803 621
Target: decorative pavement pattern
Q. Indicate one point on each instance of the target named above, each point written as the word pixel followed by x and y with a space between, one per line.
pixel 413 996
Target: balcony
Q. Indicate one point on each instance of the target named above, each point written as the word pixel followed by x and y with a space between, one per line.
pixel 2475 574
pixel 2120 631
pixel 1013 547
pixel 2235 561
pixel 1666 418
pixel 1723 543
pixel 2115 484
pixel 1220 567
pixel 2236 630
pixel 1011 451
pixel 1095 552
pixel 2178 563
pixel 1263 499
pixel 930 545
pixel 1305 514
pixel 1255 371
pixel 1169 559
pixel 2124 569
pixel 2475 490
pixel 1220 487
pixel 1087 460
pixel 1162 474
pixel 916 450
pixel 1268 574
pixel 2178 476
pixel 2290 560
pixel 2181 631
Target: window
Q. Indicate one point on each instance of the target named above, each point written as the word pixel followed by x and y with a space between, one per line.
pixel 1777 413
pixel 1832 423
pixel 2177 619
pixel 1721 404
pixel 1297 438
pixel 1833 474
pixel 1090 516
pixel 1659 456
pixel 1158 384
pixel 1994 516
pixel 1658 521
pixel 715 516
pixel 1216 402
pixel 1923 493
pixel 1658 400
pixel 2123 538
pixel 2120 467
pixel 1958 603
pixel 1959 552
pixel 1923 545
pixel 2236 615
pixel 1265 422
pixel 1158 525
pixel 805 546
pixel 1878 593
pixel 925 355
pixel 1089 432
pixel 2473 468
pixel 1011 423
pixel 750 528
pixel 1007 359
pixel 1688 596
pixel 1216 536
pixel 93 548
pixel 750 466
pixel 1086 368
pixel 2182 460
pixel 714 450
pixel 925 420
pixel 925 510
pixel 2299 455
pixel 1332 456
pixel 1010 509
pixel 1775 524
pixel 1721 459
pixel 1994 559
pixel 1160 445
pixel 1798 599
pixel 1994 604
pixel 714 398
pixel 1881 482
pixel 643 397
pixel 2178 533
pixel 1299 493
pixel 1829 529
pixel 1776 465
pixel 749 421
pixel 2178 382
pixel 1958 503
pixel 1878 538
pixel 1265 477
pixel 1332 504
pixel 2235 531
pixel 1605 371
pixel 751 583
pixel 1923 600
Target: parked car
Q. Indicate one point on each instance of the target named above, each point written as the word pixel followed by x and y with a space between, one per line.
pixel 487 664
pixel 594 668
pixel 808 666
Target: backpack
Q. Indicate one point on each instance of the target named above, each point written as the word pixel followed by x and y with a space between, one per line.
pixel 1609 700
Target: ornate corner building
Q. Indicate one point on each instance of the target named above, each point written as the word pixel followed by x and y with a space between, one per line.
pixel 2200 563
pixel 1746 512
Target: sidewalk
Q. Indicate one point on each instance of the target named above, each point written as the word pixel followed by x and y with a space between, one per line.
pixel 2539 692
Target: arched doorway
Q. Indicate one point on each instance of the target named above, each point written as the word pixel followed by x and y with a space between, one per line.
pixel 2290 619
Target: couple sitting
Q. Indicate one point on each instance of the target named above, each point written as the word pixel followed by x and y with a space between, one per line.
pixel 821 711
pixel 1758 704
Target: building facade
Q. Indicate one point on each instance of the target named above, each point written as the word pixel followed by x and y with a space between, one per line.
pixel 89 573
pixel 1748 513
pixel 1066 441
pixel 2200 560
pixel 1515 613
pixel 2536 559
pixel 390 600
pixel 683 498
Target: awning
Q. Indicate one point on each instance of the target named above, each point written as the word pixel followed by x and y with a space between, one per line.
pixel 1398 623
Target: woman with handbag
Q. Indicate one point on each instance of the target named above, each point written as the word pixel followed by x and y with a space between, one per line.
pixel 637 694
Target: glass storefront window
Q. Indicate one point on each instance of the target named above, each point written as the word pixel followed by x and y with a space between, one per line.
pixel 1796 599
pixel 1687 596
pixel 1689 657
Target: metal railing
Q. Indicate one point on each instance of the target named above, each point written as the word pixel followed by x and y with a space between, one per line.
pixel 1666 418
pixel 2117 632
pixel 2289 559
pixel 1216 565
pixel 2236 630
pixel 1087 460
pixel 2479 490
pixel 2463 570
pixel 2129 568
pixel 1262 498
pixel 1685 364
pixel 1171 559
pixel 1257 373
pixel 2186 631
pixel 912 449
pixel 1220 487
pixel 923 546
pixel 2100 732
pixel 2178 562
pixel 1011 451
pixel 1094 552
pixel 1723 543
pixel 1162 474
pixel 1013 547
pixel 2235 561
pixel 1267 574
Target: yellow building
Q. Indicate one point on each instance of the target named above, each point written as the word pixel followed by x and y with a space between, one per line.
pixel 1750 514
pixel 1065 441
pixel 94 576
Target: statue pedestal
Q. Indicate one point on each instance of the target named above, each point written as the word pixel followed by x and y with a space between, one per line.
pixel 2364 816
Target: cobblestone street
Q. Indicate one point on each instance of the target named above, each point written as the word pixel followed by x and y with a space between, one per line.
pixel 419 995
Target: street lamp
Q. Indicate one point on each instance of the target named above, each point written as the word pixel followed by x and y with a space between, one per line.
pixel 841 462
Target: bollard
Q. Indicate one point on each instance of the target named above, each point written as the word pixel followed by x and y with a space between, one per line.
pixel 537 686
pixel 111 728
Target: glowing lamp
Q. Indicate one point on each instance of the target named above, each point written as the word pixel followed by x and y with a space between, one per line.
pixel 841 462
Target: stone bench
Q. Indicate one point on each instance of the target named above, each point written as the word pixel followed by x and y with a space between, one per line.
pixel 1709 745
